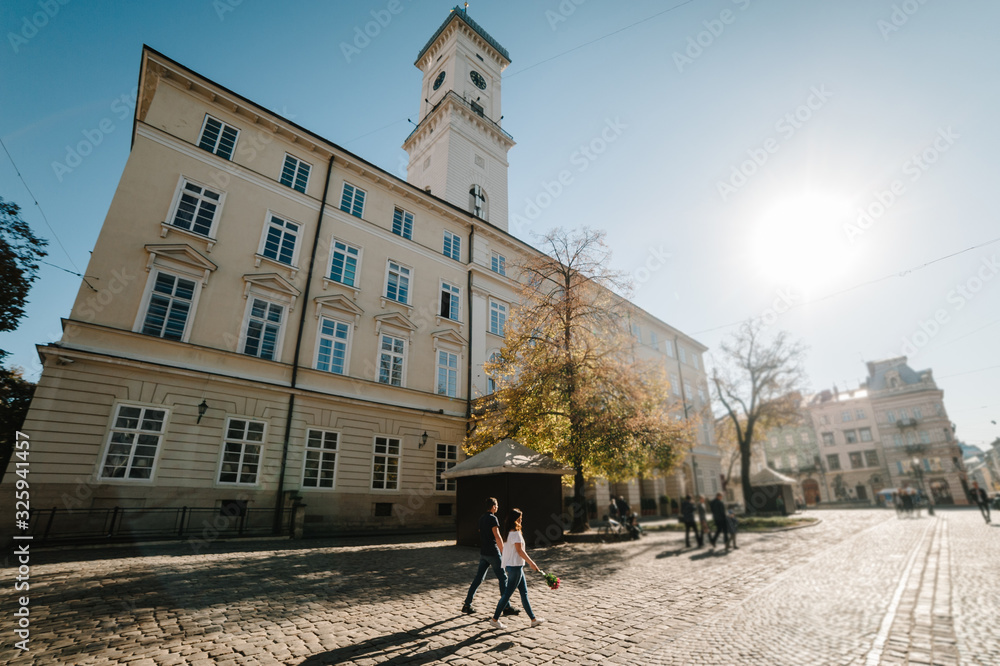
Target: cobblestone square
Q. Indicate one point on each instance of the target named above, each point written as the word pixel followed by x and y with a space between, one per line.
pixel 860 587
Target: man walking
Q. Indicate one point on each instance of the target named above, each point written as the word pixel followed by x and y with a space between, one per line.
pixel 490 550
pixel 718 508
pixel 980 497
pixel 688 518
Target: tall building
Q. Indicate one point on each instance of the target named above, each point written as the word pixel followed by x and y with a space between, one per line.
pixel 275 319
pixel 917 435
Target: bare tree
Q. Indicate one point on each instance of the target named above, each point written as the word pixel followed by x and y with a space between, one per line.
pixel 567 382
pixel 760 384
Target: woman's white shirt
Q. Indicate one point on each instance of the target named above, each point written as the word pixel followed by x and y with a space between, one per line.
pixel 510 555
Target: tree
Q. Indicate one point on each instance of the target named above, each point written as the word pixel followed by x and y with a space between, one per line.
pixel 20 251
pixel 760 385
pixel 15 396
pixel 567 381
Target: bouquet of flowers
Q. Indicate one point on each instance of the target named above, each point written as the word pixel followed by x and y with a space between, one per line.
pixel 551 580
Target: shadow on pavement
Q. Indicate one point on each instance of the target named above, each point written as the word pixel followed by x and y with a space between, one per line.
pixel 403 647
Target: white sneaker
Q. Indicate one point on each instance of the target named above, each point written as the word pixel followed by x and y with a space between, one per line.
pixel 497 624
pixel 537 621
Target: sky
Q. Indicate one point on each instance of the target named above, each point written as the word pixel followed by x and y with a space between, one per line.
pixel 827 166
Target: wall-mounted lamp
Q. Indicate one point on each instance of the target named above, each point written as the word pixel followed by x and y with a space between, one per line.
pixel 423 440
pixel 202 408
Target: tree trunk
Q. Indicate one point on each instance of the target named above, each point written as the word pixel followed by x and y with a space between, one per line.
pixel 749 498
pixel 581 523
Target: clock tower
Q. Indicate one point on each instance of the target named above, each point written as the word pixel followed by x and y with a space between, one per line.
pixel 458 151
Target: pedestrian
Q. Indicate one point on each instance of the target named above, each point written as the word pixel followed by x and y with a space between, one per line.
pixel 980 497
pixel 514 559
pixel 624 510
pixel 612 510
pixel 490 552
pixel 732 524
pixel 702 519
pixel 688 518
pixel 718 508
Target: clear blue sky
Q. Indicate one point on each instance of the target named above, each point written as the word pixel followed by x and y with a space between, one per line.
pixel 747 134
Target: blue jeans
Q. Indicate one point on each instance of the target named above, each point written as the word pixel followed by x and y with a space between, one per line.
pixel 515 581
pixel 485 563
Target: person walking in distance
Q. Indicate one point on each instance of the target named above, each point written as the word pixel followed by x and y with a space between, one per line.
pixel 718 508
pixel 702 519
pixel 490 551
pixel 980 497
pixel 514 559
pixel 689 520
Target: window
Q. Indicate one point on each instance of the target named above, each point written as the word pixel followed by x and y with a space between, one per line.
pixel 498 317
pixel 701 395
pixel 903 414
pixel 450 301
pixel 447 457
pixel 452 246
pixel 891 416
pixel 670 348
pixel 498 263
pixel 383 509
pixel 218 137
pixel 263 329
pixel 804 436
pixel 833 462
pixel 845 416
pixel 682 354
pixel 353 200
pixel 397 283
pixel 675 383
pixel 694 361
pixel 491 384
pixel 866 434
pixel 332 351
pixel 918 413
pixel 169 308
pixel 402 223
pixel 636 332
pixel 196 209
pixel 911 438
pixel 392 354
pixel 320 465
pixel 899 467
pixel 789 440
pixel 897 439
pixel 784 462
pixel 385 464
pixel 344 263
pixel 828 439
pixel 857 462
pixel 774 442
pixel 295 173
pixel 653 340
pixel 447 371
pixel 687 390
pixel 133 443
pixel 859 414
pixel 279 240
pixel 925 437
pixel 824 420
pixel 871 458
pixel 241 451
pixel 477 201
pixel 444 508
pixel 851 436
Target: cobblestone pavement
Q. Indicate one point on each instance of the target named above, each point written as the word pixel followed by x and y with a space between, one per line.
pixel 862 587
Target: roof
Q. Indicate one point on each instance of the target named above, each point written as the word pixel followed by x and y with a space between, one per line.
pixel 507 457
pixel 462 14
pixel 877 371
pixel 769 477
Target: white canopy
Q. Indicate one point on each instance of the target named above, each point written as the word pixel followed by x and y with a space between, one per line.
pixel 506 456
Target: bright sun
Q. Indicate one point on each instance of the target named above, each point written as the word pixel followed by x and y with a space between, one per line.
pixel 800 241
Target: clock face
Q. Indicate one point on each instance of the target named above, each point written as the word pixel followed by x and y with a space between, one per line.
pixel 478 79
pixel 439 80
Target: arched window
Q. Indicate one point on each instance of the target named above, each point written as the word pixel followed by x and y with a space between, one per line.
pixel 477 201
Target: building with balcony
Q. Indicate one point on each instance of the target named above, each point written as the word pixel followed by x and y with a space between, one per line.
pixel 275 319
pixel 917 436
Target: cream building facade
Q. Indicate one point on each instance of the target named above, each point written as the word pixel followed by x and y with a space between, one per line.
pixel 275 319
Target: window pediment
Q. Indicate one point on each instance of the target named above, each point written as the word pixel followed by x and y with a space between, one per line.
pixel 450 338
pixel 180 257
pixel 273 284
pixel 394 322
pixel 338 303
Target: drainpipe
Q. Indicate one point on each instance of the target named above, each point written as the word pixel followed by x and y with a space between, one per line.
pixel 468 302
pixel 279 500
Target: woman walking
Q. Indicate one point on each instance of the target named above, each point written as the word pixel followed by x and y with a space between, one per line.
pixel 514 559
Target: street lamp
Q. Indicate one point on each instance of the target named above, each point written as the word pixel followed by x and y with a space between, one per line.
pixel 918 471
